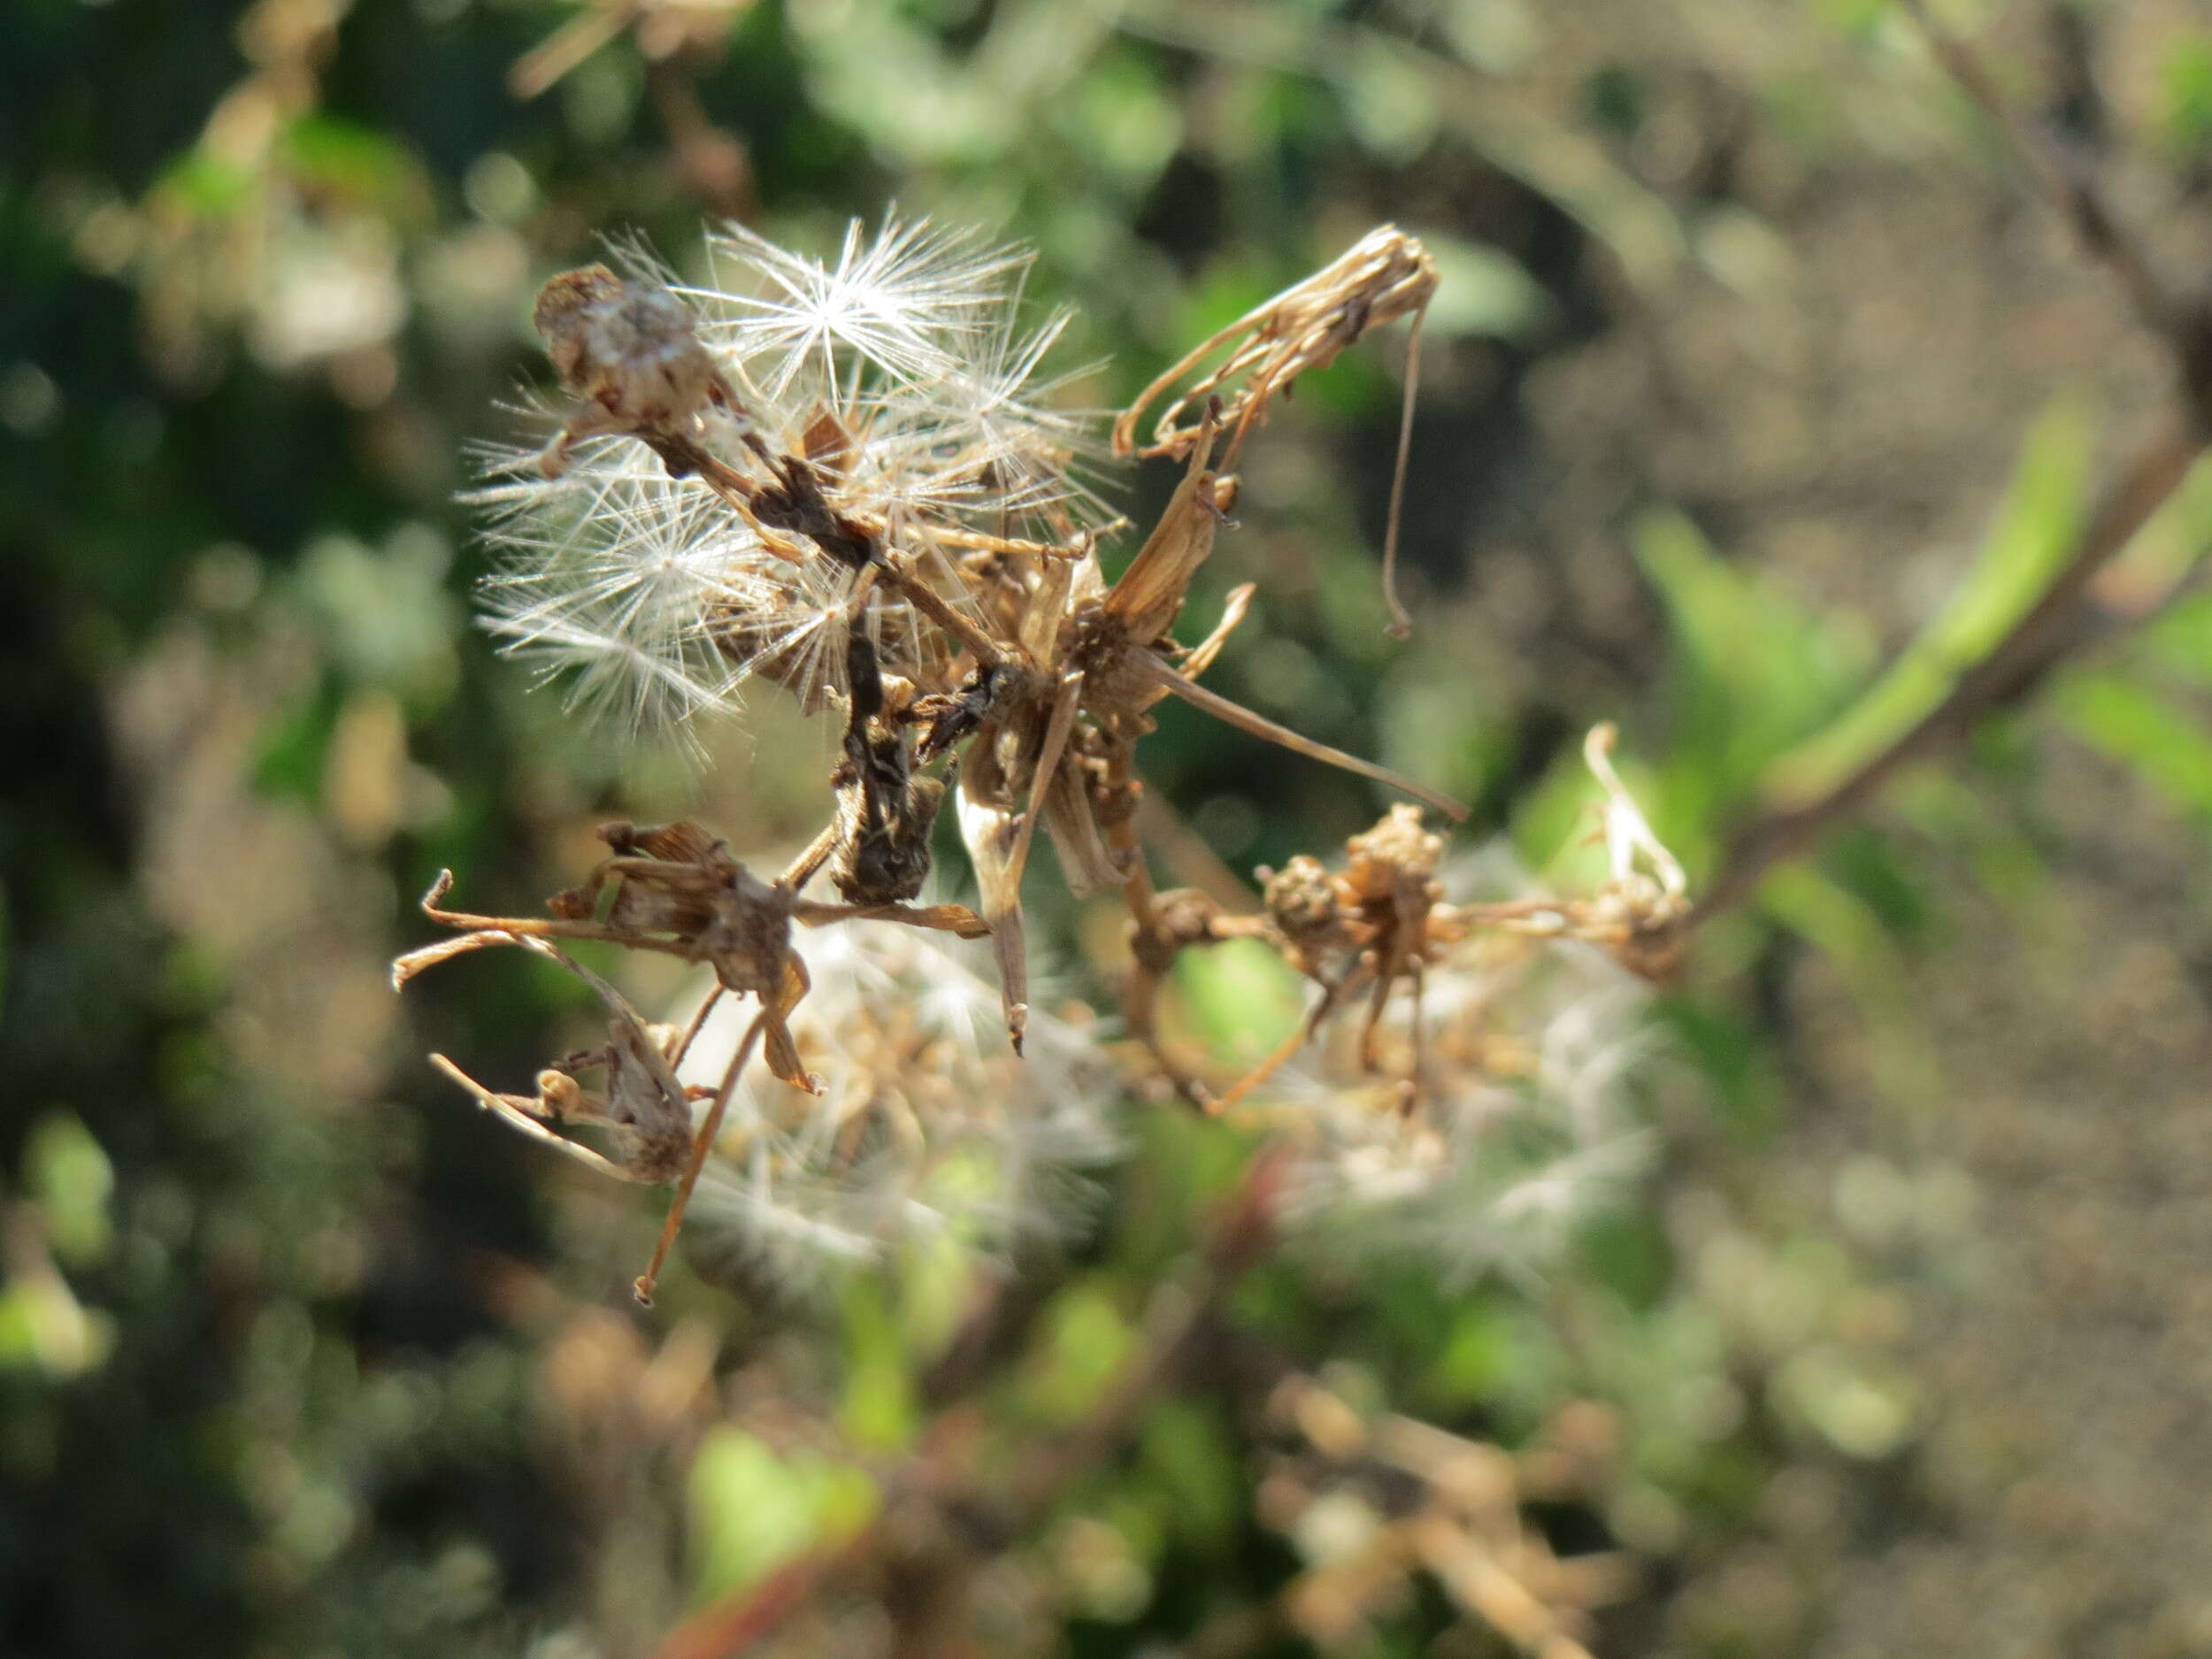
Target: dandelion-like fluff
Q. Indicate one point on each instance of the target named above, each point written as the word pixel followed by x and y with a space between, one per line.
pixel 856 482
pixel 1523 1126
pixel 901 379
pixel 926 1129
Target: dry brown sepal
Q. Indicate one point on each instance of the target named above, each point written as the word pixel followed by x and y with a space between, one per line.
pixel 1384 276
pixel 646 1112
pixel 673 889
pixel 1379 923
pixel 1639 913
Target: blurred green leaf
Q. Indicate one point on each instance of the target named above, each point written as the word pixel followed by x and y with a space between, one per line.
pixel 753 1509
pixel 1193 1466
pixel 1626 1253
pixel 1858 1412
pixel 1754 672
pixel 2170 749
pixel 1483 291
pixel 1867 863
pixel 67 1173
pixel 2185 76
pixel 341 159
pixel 1736 1058
pixel 1241 997
pixel 43 1326
pixel 1467 1366
pixel 1851 935
pixel 877 1410
pixel 2179 643
pixel 2035 525
pixel 292 746
pixel 204 186
pixel 1388 103
pixel 385 611
pixel 1086 1340
pixel 1124 122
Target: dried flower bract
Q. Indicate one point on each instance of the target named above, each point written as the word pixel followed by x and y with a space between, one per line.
pixel 1386 275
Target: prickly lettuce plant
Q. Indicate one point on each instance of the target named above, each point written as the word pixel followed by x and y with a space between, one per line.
pixel 856 484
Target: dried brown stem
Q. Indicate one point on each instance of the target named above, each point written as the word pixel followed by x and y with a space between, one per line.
pixel 931 604
pixel 2070 189
pixel 697 1024
pixel 2034 644
pixel 802 869
pixel 945 918
pixel 701 1146
pixel 1176 1331
pixel 1287 1050
pixel 1400 618
pixel 1259 725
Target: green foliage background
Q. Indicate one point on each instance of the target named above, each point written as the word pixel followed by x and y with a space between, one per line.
pixel 1752 372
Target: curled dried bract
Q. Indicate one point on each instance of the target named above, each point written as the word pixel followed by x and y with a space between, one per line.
pixel 1384 276
pixel 646 1113
pixel 1638 912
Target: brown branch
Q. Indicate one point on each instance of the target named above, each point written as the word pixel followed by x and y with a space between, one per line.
pixel 2071 187
pixel 2019 661
pixel 1178 1325
pixel 2075 608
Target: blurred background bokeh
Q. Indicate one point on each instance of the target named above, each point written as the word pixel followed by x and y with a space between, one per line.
pixel 1752 362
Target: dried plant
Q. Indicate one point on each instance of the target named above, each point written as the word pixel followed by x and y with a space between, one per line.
pixel 922 1126
pixel 854 482
pixel 1641 911
pixel 677 891
pixel 1368 1504
pixel 1386 275
pixel 646 1110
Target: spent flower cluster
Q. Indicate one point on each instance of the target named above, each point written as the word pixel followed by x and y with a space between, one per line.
pixel 854 482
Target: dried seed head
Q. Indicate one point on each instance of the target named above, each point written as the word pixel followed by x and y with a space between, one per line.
pixel 643 1111
pixel 1521 1124
pixel 749 459
pixel 1638 912
pixel 630 348
pixel 1302 902
pixel 927 1128
pixel 844 479
pixel 560 316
